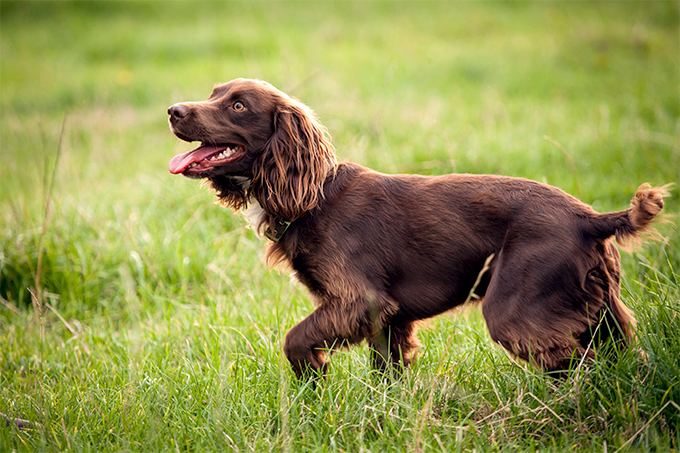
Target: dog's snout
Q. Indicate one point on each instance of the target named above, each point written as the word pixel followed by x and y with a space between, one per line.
pixel 178 111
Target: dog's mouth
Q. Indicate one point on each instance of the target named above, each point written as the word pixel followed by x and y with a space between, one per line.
pixel 205 158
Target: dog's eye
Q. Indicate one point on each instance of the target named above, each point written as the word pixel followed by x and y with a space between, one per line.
pixel 238 106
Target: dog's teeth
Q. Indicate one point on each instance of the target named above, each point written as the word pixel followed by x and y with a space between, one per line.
pixel 222 155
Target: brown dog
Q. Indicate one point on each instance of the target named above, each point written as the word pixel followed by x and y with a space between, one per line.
pixel 380 252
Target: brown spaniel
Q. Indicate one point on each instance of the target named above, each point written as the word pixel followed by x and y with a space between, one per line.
pixel 380 252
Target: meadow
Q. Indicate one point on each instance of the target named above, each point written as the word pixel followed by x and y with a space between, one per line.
pixel 138 315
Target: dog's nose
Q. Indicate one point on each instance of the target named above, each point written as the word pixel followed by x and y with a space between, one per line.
pixel 178 111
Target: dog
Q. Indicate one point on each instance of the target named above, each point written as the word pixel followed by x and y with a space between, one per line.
pixel 380 252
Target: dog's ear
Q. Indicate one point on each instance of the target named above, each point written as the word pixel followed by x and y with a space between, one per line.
pixel 289 174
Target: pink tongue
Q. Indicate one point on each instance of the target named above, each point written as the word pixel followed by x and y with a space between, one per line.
pixel 180 162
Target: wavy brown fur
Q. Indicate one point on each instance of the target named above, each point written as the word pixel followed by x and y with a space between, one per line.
pixel 288 176
pixel 380 252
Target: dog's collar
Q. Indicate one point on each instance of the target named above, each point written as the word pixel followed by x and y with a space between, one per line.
pixel 270 226
pixel 276 229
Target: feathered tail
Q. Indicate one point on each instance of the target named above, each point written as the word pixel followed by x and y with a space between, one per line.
pixel 646 204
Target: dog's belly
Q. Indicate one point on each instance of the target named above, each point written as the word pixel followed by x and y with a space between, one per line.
pixel 421 298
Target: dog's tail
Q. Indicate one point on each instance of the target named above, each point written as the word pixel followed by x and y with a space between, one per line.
pixel 626 225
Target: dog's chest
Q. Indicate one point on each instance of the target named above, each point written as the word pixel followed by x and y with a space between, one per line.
pixel 254 215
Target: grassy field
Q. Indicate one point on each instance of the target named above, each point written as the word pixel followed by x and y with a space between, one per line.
pixel 138 315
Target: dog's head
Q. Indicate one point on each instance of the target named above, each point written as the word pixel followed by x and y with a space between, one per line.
pixel 255 141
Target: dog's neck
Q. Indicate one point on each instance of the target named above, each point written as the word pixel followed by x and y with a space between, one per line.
pixel 254 214
pixel 270 226
pixel 236 192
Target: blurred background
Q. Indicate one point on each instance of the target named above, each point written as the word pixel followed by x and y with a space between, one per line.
pixel 107 259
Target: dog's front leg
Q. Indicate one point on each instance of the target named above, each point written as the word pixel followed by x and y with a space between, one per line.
pixel 330 326
pixel 394 345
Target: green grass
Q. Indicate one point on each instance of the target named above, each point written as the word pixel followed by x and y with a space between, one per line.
pixel 159 326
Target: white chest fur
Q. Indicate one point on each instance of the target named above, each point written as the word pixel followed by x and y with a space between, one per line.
pixel 254 214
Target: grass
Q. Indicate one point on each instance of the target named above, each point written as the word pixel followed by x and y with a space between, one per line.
pixel 138 315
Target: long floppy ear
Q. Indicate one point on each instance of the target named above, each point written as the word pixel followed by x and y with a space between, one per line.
pixel 289 175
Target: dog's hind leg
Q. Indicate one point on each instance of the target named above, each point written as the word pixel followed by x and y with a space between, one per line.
pixel 616 322
pixel 536 305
